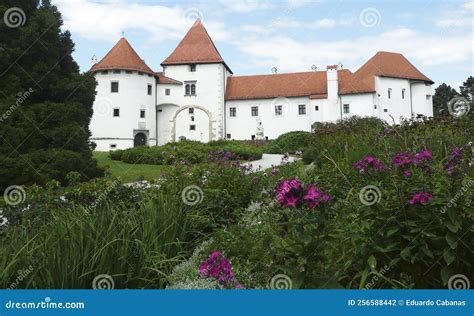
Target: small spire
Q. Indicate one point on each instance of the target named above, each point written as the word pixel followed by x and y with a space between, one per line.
pixel 123 34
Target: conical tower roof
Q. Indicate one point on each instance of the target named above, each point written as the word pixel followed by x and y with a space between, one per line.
pixel 196 47
pixel 122 56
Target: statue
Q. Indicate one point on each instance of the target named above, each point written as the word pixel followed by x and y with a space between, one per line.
pixel 259 135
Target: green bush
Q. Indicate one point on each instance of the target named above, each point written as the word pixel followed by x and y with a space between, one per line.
pixel 288 143
pixel 188 152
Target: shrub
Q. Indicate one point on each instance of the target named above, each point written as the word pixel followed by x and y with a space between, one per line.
pixel 187 152
pixel 289 143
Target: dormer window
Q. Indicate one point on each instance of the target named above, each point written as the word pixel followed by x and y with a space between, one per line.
pixel 192 68
pixel 389 93
pixel 403 93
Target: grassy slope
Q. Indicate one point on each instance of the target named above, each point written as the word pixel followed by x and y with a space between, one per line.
pixel 128 172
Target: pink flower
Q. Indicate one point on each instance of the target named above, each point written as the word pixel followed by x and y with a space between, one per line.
pixel 420 198
pixel 422 156
pixel 367 163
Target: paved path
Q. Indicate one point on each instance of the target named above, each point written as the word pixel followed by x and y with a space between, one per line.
pixel 267 161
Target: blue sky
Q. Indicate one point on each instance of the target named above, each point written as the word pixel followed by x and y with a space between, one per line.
pixel 291 35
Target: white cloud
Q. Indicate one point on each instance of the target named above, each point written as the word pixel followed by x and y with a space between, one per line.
pixel 245 6
pixel 295 4
pixel 106 20
pixel 459 17
pixel 323 24
pixel 290 55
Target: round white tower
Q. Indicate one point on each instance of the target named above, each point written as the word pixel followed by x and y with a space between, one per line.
pixel 124 108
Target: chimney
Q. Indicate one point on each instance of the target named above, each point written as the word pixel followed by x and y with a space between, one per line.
pixel 331 72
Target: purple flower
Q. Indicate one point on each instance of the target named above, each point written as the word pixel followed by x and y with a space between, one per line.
pixel 401 159
pixel 219 267
pixel 292 193
pixel 420 198
pixel 422 156
pixel 368 163
pixel 453 159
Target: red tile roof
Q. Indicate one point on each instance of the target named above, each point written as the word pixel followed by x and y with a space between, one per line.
pixel 314 84
pixel 122 56
pixel 196 47
pixel 387 64
pixel 162 79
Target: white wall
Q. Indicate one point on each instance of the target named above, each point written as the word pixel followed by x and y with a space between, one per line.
pixel 132 97
pixel 210 88
pixel 361 104
pixel 243 126
pixel 422 99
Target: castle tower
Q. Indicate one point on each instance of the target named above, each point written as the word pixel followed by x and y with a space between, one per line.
pixel 124 108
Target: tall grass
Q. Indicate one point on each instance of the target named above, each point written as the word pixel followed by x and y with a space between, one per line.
pixel 137 247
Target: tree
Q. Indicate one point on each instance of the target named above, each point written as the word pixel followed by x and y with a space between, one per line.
pixel 467 89
pixel 443 94
pixel 45 102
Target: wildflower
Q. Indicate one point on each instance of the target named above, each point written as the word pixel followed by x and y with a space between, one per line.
pixel 420 198
pixel 219 267
pixel 403 160
pixel 422 156
pixel 368 162
pixel 453 159
pixel 292 193
pixel 314 196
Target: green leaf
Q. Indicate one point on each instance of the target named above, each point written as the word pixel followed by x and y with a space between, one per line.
pixel 446 273
pixel 392 231
pixel 406 254
pixel 427 251
pixel 452 240
pixel 449 256
pixel 372 262
pixel 452 227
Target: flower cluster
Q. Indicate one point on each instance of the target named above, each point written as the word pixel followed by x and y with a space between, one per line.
pixel 420 198
pixel 220 155
pixel 423 156
pixel 453 159
pixel 405 159
pixel 219 267
pixel 368 163
pixel 293 193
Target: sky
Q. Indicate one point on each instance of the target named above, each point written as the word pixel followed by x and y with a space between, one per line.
pixel 291 35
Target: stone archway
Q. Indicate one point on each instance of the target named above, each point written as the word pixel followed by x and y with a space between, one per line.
pixel 212 135
pixel 140 139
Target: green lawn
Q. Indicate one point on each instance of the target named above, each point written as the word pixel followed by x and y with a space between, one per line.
pixel 128 172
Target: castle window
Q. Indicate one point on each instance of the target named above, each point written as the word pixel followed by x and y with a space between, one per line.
pixel 233 112
pixel 302 109
pixel 428 97
pixel 403 93
pixel 385 110
pixel 128 71
pixel 148 89
pixel 191 110
pixel 375 106
pixel 113 146
pixel 190 88
pixel 116 71
pixel 389 93
pixel 229 136
pixel 278 110
pixel 114 87
pixel 254 110
pixel 167 91
pixel 192 127
pixel 192 68
pixel 192 118
pixel 142 113
pixel 346 109
pixel 116 112
pixel 104 72
pixel 316 108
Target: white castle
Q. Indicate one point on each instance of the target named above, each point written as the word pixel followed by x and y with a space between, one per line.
pixel 197 97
